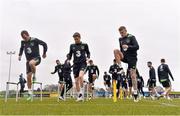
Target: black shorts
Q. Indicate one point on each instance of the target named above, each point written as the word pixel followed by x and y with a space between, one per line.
pixel 166 84
pixel 28 68
pixel 108 83
pixel 77 68
pixel 131 62
pixel 124 85
pixel 90 79
pixel 152 84
pixel 114 77
pixel 61 79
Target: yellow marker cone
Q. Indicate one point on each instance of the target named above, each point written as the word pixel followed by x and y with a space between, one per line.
pixel 114 91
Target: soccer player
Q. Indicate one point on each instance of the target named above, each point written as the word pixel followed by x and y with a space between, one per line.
pixel 67 77
pixel 30 46
pixel 22 82
pixel 152 81
pixel 93 74
pixel 140 82
pixel 107 83
pixel 59 69
pixel 115 70
pixel 163 75
pixel 128 47
pixel 81 54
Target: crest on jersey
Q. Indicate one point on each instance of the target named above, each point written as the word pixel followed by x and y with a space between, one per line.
pixel 32 44
pixel 127 41
pixel 82 47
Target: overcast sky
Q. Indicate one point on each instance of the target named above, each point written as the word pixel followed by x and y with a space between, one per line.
pixel 155 23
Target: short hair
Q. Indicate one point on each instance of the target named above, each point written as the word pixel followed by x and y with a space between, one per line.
pixel 76 34
pixel 149 62
pixel 57 60
pixel 114 60
pixel 122 28
pixel 24 32
pixel 90 61
pixel 163 60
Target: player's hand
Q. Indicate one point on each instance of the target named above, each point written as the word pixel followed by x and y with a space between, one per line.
pixel 125 47
pixel 44 55
pixel 87 60
pixel 19 58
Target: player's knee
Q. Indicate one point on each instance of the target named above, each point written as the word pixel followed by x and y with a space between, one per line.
pixel 32 63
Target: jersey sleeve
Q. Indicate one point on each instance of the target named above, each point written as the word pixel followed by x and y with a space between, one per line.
pixel 169 72
pixel 55 70
pixel 87 51
pixel 110 70
pixel 21 49
pixel 134 46
pixel 40 42
pixel 97 70
pixel 70 53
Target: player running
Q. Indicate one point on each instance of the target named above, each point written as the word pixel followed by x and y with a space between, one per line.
pixel 81 54
pixel 128 47
pixel 59 69
pixel 115 70
pixel 152 81
pixel 163 75
pixel 107 83
pixel 67 77
pixel 93 74
pixel 30 46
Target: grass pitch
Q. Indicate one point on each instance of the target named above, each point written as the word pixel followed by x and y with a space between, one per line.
pixel 99 106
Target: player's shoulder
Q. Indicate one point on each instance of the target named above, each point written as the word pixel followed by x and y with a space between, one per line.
pixel 85 44
pixel 130 36
pixel 34 39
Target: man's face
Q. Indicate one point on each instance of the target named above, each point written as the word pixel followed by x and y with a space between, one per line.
pixel 91 63
pixel 58 62
pixel 149 64
pixel 25 37
pixel 77 39
pixel 123 33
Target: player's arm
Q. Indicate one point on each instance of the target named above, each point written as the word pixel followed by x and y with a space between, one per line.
pixel 87 68
pixel 55 70
pixel 159 74
pixel 21 51
pixel 70 53
pixel 148 82
pixel 142 80
pixel 97 69
pixel 134 46
pixel 87 51
pixel 170 73
pixel 110 70
pixel 40 42
pixel 153 74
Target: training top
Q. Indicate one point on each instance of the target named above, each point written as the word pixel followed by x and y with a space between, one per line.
pixel 92 69
pixel 133 46
pixel 31 48
pixel 80 52
pixel 164 72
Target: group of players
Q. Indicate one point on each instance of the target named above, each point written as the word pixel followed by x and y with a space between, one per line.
pixel 81 57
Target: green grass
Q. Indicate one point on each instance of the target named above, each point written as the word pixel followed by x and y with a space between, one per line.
pixel 100 106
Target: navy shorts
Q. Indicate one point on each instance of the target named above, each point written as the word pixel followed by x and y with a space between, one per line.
pixel 77 68
pixel 28 68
